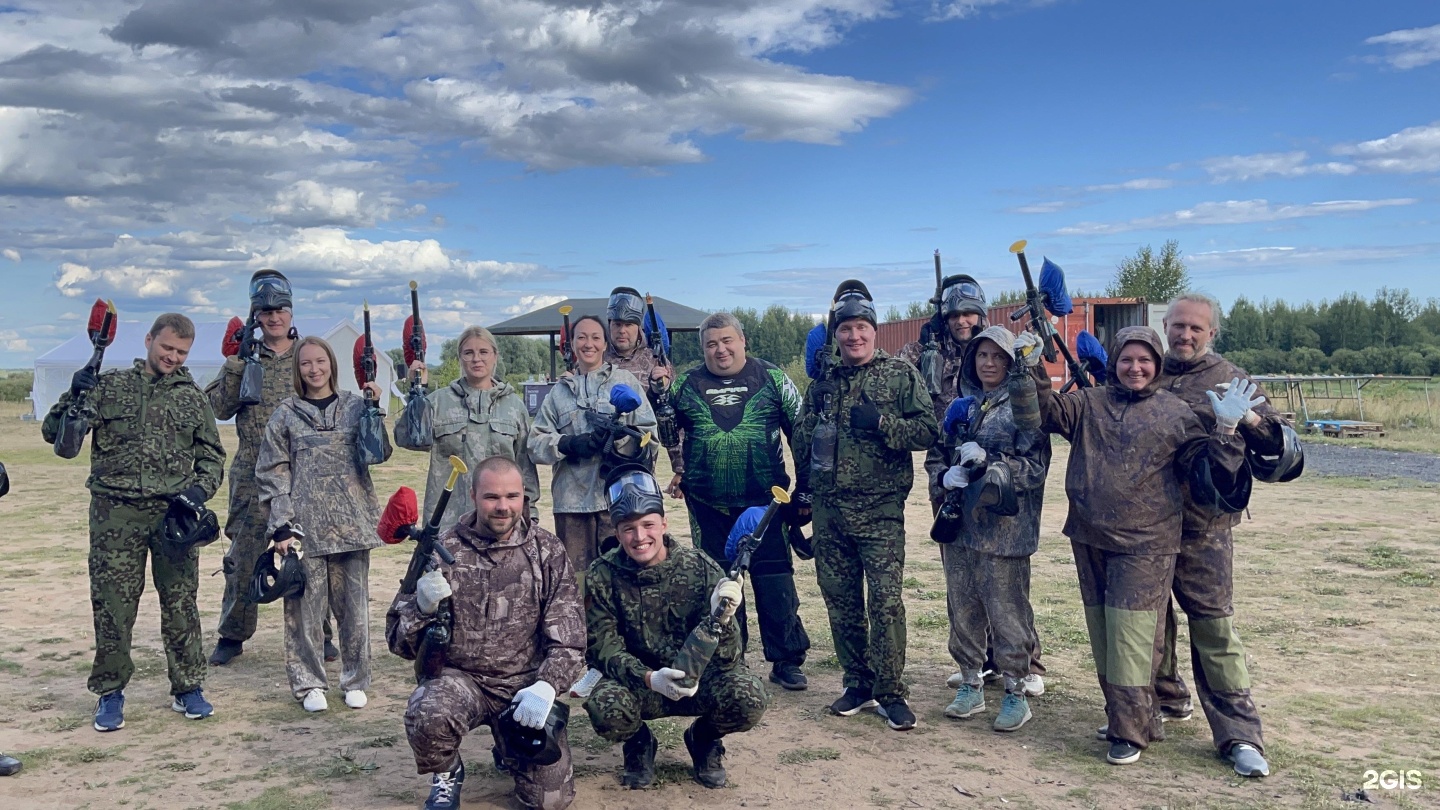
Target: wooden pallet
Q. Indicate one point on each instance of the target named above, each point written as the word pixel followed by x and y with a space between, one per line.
pixel 1346 429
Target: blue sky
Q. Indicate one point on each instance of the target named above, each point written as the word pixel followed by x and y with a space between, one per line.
pixel 508 153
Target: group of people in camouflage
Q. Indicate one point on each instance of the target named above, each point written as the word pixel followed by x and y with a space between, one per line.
pixel 610 606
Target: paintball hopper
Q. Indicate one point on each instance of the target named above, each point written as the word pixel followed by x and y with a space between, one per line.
pixel 269 290
pixel 270 583
pixel 401 514
pixel 993 490
pixel 1089 351
pixel 625 305
pixel 534 746
pixel 814 345
pixel 656 325
pixel 1052 284
pixel 957 416
pixel 409 350
pixel 230 345
pixel 748 521
pixel 624 398
pixel 97 322
pixel 358 358
pixel 184 527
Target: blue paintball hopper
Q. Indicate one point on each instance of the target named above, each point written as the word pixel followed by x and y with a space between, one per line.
pixel 657 325
pixel 814 344
pixel 958 415
pixel 624 398
pixel 1052 284
pixel 1092 355
pixel 747 523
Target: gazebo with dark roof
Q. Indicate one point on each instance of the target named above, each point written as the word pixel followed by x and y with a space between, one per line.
pixel 547 320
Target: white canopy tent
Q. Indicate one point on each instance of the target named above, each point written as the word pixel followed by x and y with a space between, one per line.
pixel 54 368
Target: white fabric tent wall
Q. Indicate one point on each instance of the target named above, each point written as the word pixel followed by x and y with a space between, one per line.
pixel 54 368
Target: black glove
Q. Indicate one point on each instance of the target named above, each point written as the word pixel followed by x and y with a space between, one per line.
pixel 192 498
pixel 288 531
pixel 797 511
pixel 584 445
pixel 84 380
pixel 865 416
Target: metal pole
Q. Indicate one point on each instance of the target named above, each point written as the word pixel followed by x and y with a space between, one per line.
pixel 552 357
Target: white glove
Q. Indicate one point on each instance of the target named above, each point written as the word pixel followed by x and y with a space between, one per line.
pixel 1239 399
pixel 430 589
pixel 956 478
pixel 666 683
pixel 1027 349
pixel 729 594
pixel 532 704
pixel 971 455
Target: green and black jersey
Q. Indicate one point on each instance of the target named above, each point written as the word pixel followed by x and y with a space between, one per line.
pixel 732 427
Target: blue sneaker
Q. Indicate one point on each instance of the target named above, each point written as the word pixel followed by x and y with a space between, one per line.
pixel 969 700
pixel 193 704
pixel 1014 712
pixel 110 712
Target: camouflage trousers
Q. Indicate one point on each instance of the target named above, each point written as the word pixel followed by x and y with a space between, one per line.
pixel 988 598
pixel 860 567
pixel 1204 587
pixel 728 700
pixel 1123 596
pixel 245 527
pixel 443 710
pixel 581 532
pixel 339 584
pixel 772 577
pixel 122 535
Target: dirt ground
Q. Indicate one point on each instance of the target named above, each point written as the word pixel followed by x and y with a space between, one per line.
pixel 1336 602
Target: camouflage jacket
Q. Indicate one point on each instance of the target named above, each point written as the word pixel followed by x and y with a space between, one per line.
pixel 250 420
pixel 475 425
pixel 1189 380
pixel 150 438
pixel 639 618
pixel 641 362
pixel 1130 457
pixel 952 352
pixel 309 472
pixel 567 411
pixel 1027 454
pixel 517 609
pixel 869 467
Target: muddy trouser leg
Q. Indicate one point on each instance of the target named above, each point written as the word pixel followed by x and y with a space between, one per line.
pixel 1204 587
pixel 543 787
pixel 1004 588
pixel 841 577
pixel 581 533
pixel 349 574
pixel 248 540
pixel 1170 689
pixel 120 537
pixel 177 579
pixel 875 537
pixel 304 642
pixel 439 714
pixel 1123 596
pixel 969 628
pixel 729 701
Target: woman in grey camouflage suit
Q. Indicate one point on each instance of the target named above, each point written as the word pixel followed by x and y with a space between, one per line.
pixel 319 494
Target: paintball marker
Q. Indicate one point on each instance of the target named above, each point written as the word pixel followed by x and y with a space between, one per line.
pixel 930 365
pixel 1050 296
pixel 75 422
pixel 435 641
pixel 567 348
pixel 414 428
pixel 659 339
pixel 252 379
pixel 700 645
pixel 961 424
pixel 370 436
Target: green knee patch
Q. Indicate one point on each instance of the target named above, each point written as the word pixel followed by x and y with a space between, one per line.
pixel 1222 656
pixel 1130 647
pixel 1095 624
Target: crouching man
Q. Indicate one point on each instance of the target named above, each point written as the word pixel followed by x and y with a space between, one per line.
pixel 643 599
pixel 518 639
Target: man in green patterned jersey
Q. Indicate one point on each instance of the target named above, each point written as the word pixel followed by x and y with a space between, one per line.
pixel 731 412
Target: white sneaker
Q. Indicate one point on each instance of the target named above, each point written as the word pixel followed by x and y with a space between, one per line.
pixel 1032 685
pixel 315 701
pixel 586 684
pixel 356 699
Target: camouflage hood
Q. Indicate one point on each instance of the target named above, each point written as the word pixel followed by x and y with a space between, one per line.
pixel 1000 336
pixel 1134 334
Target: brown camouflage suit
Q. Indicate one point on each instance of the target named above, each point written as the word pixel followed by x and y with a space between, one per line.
pixel 517 620
pixel 245 524
pixel 1204 574
pixel 1131 455
pixel 309 473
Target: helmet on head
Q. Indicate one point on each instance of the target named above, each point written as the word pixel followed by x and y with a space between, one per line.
pixel 960 294
pixel 533 746
pixel 632 492
pixel 626 304
pixel 269 583
pixel 185 527
pixel 269 290
pixel 852 300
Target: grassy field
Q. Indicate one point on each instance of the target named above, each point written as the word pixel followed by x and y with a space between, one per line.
pixel 1336 600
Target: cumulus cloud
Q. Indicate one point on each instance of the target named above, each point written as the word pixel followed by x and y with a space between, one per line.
pixel 12 254
pixel 1292 255
pixel 1416 149
pixel 1271 164
pixel 530 303
pixel 1410 47
pixel 1233 212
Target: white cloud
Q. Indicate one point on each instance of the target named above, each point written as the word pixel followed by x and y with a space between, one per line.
pixel 1412 150
pixel 1270 164
pixel 1410 47
pixel 1138 184
pixel 1309 256
pixel 530 303
pixel 1233 212
pixel 12 254
pixel 962 9
pixel 1050 207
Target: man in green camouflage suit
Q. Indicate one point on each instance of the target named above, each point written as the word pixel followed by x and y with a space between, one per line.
pixel 245 526
pixel 862 420
pixel 642 600
pixel 154 441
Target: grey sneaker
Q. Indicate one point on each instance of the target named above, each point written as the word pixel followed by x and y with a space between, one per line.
pixel 1033 685
pixel 1248 760
pixel 1014 713
pixel 969 700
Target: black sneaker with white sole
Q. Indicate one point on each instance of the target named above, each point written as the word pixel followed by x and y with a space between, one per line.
pixel 852 701
pixel 1122 753
pixel 897 713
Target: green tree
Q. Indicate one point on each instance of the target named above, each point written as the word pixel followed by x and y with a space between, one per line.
pixel 1154 278
pixel 1345 323
pixel 1244 328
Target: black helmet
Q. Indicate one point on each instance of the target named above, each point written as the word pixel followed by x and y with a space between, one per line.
pixel 269 290
pixel 852 300
pixel 626 304
pixel 1282 468
pixel 961 293
pixel 534 746
pixel 270 583
pixel 4 481
pixel 632 491
pixel 185 527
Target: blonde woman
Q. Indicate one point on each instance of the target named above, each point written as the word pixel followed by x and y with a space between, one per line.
pixel 319 495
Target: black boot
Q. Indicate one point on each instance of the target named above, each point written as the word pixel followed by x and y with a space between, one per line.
pixel 445 788
pixel 225 652
pixel 639 759
pixel 707 752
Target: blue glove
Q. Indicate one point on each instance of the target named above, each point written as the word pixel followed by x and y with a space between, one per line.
pixel 624 398
pixel 1090 353
pixel 814 344
pixel 958 415
pixel 748 522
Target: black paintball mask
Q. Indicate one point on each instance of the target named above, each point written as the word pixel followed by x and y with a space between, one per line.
pixel 271 583
pixel 852 300
pixel 4 481
pixel 632 491
pixel 993 490
pixel 960 294
pixel 270 290
pixel 626 305
pixel 533 746
pixel 187 527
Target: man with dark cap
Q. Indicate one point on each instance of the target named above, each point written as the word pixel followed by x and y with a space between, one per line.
pixel 271 304
pixel 643 599
pixel 627 347
pixel 863 418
